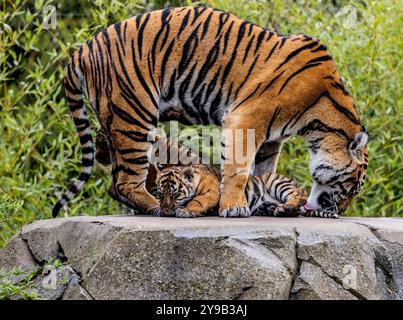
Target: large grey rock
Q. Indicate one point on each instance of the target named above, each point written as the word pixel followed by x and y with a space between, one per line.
pixel 349 257
pixel 313 284
pixel 17 254
pixel 136 257
pixel 52 282
pixel 389 232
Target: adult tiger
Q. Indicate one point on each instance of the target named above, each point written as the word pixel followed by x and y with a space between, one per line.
pixel 200 65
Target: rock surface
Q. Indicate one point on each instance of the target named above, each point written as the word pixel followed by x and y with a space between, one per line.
pixel 137 257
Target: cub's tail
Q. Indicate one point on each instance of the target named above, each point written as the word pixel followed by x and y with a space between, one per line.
pixel 73 83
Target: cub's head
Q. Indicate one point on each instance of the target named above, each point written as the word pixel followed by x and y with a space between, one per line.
pixel 175 187
pixel 338 166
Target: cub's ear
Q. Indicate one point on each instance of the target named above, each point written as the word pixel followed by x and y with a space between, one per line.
pixel 189 174
pixel 357 145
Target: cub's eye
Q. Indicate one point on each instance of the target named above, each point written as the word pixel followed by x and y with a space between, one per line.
pixel 176 196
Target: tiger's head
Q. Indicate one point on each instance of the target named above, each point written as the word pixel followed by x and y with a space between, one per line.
pixel 338 166
pixel 175 187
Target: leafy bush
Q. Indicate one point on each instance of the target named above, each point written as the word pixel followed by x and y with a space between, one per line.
pixel 39 151
pixel 17 284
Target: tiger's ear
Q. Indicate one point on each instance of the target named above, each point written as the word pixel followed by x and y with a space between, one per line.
pixel 189 174
pixel 356 146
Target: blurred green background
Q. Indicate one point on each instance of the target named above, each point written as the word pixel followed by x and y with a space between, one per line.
pixel 39 150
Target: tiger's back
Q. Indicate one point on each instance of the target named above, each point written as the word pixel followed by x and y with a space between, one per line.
pixel 193 64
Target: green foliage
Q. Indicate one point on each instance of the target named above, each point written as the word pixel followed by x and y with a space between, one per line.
pixel 18 284
pixel 53 263
pixel 11 216
pixel 39 152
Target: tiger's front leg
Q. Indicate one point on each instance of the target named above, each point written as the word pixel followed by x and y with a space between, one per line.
pixel 267 157
pixel 238 154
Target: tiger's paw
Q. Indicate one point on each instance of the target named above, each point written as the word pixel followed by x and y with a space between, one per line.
pixel 183 213
pixel 236 211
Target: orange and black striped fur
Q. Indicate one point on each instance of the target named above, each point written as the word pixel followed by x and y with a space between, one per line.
pixel 168 146
pixel 187 191
pixel 197 187
pixel 204 66
pixel 193 191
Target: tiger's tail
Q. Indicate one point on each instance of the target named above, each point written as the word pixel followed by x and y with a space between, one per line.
pixel 73 83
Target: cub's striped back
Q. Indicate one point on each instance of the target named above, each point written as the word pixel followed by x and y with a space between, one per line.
pixel 274 194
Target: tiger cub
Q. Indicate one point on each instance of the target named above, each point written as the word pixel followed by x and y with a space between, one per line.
pixel 186 191
pixel 193 191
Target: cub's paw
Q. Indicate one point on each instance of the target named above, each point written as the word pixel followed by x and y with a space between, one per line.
pixel 286 211
pixel 276 210
pixel 266 209
pixel 236 211
pixel 183 213
pixel 157 212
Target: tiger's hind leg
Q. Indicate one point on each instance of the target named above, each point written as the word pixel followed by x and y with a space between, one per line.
pixel 129 171
pixel 103 155
pixel 130 146
pixel 102 152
